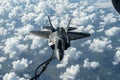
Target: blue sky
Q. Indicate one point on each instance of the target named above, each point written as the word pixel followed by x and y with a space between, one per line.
pixel 93 58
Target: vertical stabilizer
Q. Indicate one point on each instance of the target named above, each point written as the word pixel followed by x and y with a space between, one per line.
pixel 67 28
pixel 52 28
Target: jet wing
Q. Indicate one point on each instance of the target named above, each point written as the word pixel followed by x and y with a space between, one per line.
pixel 71 28
pixel 44 34
pixel 47 27
pixel 77 35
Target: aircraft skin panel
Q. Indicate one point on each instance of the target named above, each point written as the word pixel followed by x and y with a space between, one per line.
pixel 44 34
pixel 77 35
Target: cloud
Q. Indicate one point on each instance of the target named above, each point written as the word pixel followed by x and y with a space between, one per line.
pixel 86 43
pixel 19 17
pixel 90 65
pixel 37 42
pixel 3 31
pixel 13 47
pixel 103 4
pixel 70 73
pixel 27 76
pixel 112 31
pixel 109 18
pixel 27 18
pixel 90 9
pixel 60 9
pixel 24 30
pixel 2 59
pixel 117 57
pixel 87 29
pixel 20 64
pixel 98 45
pixel 90 29
pixel 12 76
pixel 1 67
pixel 71 53
pixel 84 18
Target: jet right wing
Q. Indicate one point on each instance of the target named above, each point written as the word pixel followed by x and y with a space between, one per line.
pixel 44 34
pixel 77 35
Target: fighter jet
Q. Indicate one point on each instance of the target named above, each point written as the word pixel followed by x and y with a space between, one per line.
pixel 116 4
pixel 59 39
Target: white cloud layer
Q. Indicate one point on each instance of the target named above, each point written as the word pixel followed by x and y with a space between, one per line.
pixel 20 64
pixel 24 30
pixel 1 67
pixel 113 31
pixel 109 18
pixel 98 45
pixel 3 31
pixel 2 59
pixel 19 17
pixel 71 53
pixel 13 47
pixel 12 76
pixel 37 42
pixel 90 65
pixel 88 29
pixel 103 4
pixel 70 73
pixel 117 57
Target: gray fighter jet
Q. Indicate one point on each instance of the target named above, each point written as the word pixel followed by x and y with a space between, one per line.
pixel 116 4
pixel 59 39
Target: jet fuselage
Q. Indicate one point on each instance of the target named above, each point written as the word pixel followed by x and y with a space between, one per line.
pixel 59 42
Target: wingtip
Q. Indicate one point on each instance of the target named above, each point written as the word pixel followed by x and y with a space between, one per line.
pixel 30 32
pixel 89 34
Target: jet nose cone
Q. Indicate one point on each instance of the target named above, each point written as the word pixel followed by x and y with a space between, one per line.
pixel 87 35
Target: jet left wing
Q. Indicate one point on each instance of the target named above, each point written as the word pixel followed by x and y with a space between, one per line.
pixel 77 35
pixel 71 28
pixel 44 34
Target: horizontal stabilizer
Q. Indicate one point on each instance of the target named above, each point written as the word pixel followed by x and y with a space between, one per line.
pixel 71 28
pixel 47 27
pixel 44 34
pixel 50 28
pixel 77 35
